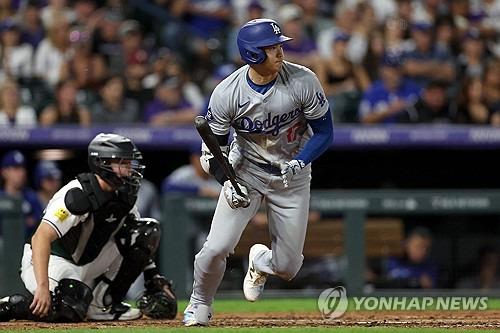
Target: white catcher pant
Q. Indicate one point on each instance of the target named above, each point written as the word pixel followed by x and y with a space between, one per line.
pixel 107 263
pixel 287 212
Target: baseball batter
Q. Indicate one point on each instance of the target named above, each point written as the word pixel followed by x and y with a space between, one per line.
pixel 282 122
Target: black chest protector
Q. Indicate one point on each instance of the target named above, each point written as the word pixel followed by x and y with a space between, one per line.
pixel 83 243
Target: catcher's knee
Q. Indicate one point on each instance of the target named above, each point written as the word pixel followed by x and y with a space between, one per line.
pixel 72 299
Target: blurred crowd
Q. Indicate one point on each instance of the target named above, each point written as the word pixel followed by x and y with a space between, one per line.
pixel 157 61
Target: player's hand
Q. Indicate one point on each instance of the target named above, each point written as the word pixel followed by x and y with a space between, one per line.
pixel 234 200
pixel 41 302
pixel 289 169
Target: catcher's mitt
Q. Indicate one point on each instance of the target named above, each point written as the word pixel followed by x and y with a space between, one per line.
pixel 158 301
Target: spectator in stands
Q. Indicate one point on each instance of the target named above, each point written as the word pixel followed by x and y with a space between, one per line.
pixel 301 49
pixel 135 72
pixel 471 104
pixel 160 62
pixel 14 177
pixel 11 110
pixel 16 57
pixel 388 98
pixel 113 107
pixel 195 30
pixel 87 14
pixel 427 62
pixel 106 41
pixel 486 272
pixel 374 54
pixel 52 53
pixel 6 10
pixel 32 29
pixel 491 83
pixel 64 108
pixel 346 22
pixel 414 269
pixel 56 10
pixel 342 80
pixel 132 48
pixel 313 20
pixel 47 180
pixel 254 10
pixel 447 36
pixel 470 63
pixel 432 107
pixel 87 68
pixel 191 179
pixel 169 106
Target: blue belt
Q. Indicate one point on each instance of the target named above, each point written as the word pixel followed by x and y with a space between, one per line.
pixel 270 169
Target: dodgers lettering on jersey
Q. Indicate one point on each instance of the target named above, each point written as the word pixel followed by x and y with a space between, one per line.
pixel 271 126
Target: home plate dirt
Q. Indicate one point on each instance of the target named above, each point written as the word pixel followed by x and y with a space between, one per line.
pixel 487 319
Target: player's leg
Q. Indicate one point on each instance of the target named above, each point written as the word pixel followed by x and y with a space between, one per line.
pixel 287 210
pixel 210 263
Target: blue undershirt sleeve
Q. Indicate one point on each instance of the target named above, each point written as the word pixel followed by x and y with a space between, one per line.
pixel 321 139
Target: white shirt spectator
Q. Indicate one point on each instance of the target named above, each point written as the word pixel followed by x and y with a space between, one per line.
pixel 48 62
pixel 25 116
pixel 18 61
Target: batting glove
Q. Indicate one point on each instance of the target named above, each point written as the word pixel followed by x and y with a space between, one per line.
pixel 289 170
pixel 234 200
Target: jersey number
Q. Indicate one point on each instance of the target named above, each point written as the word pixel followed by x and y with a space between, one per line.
pixel 292 132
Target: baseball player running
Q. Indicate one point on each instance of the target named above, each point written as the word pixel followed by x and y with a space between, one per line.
pixel 91 235
pixel 282 123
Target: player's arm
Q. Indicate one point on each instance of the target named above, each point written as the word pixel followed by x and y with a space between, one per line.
pixel 40 245
pixel 320 141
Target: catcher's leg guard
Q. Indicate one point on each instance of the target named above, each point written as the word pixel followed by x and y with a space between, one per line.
pixel 137 241
pixel 69 303
pixel 73 298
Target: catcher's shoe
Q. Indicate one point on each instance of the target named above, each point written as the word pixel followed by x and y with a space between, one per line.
pixel 118 311
pixel 198 314
pixel 253 284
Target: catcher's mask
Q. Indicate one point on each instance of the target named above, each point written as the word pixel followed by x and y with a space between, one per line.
pixel 116 160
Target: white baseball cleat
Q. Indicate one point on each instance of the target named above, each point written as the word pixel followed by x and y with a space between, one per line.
pixel 120 311
pixel 198 314
pixel 253 284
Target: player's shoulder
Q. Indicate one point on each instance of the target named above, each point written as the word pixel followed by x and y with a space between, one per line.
pixel 296 73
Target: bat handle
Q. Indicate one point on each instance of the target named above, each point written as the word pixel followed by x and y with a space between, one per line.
pixel 236 186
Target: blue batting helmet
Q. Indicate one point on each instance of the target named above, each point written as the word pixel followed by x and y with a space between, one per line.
pixel 256 34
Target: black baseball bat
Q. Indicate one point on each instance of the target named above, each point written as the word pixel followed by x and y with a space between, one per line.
pixel 208 137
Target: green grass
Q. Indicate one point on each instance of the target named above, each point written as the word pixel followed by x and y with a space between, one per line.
pixel 287 305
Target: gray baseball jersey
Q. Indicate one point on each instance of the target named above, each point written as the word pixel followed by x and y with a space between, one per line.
pixel 268 127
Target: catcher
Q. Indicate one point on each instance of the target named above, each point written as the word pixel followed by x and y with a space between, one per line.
pixel 91 245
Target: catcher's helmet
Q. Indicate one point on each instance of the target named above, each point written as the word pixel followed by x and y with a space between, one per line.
pixel 256 34
pixel 104 149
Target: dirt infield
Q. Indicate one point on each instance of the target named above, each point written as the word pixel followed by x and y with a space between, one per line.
pixel 445 319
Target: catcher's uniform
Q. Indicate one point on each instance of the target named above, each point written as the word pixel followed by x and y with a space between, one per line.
pixel 87 244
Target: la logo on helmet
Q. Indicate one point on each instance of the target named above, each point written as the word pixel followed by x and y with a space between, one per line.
pixel 276 29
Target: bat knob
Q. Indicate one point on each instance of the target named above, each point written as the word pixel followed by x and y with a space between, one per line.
pixel 199 121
